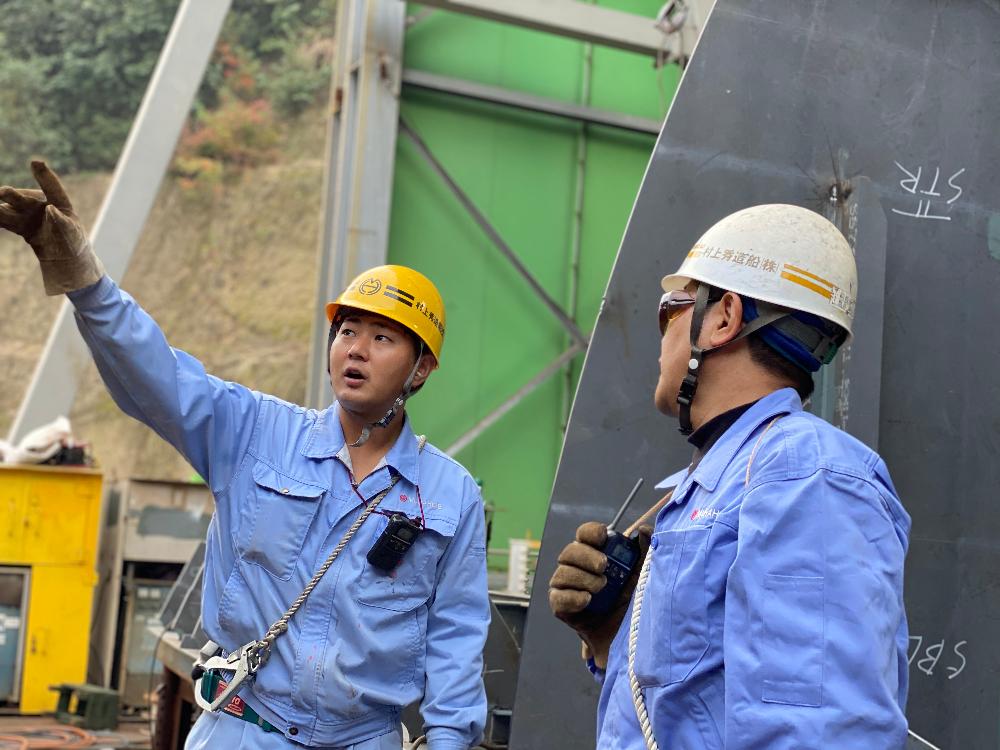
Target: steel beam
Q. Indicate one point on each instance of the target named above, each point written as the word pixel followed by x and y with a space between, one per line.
pixel 578 20
pixel 494 416
pixel 529 102
pixel 144 160
pixel 494 235
pixel 360 155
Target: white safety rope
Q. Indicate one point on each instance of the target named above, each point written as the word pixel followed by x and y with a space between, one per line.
pixel 920 739
pixel 633 642
pixel 638 700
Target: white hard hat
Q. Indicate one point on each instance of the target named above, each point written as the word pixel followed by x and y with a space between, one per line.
pixel 786 255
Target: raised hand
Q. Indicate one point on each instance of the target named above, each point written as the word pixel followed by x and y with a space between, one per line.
pixel 46 220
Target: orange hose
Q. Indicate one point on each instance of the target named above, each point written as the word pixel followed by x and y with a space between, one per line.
pixel 47 738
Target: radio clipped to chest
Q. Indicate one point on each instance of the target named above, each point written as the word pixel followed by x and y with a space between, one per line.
pixel 393 543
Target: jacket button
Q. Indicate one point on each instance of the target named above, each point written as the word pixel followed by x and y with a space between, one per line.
pixel 655 543
pixel 293 730
pixel 284 490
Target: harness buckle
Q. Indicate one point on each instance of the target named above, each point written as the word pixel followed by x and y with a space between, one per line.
pixel 243 663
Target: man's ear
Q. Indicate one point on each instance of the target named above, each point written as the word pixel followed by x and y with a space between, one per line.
pixel 425 367
pixel 726 320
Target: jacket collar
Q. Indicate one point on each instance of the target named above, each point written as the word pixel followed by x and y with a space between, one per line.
pixel 720 455
pixel 326 439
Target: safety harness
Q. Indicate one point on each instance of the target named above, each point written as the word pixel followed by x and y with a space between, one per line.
pixel 211 692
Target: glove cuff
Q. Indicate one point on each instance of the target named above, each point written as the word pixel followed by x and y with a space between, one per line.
pixel 62 275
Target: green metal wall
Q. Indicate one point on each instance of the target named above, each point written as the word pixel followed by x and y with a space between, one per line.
pixel 522 171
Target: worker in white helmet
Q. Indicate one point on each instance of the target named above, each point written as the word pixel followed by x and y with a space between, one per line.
pixel 767 611
pixel 345 565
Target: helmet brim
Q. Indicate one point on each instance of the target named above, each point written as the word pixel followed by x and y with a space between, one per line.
pixel 675 282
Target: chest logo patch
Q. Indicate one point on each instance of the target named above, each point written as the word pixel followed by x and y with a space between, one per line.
pixel 705 514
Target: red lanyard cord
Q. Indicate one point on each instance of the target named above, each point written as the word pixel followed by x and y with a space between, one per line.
pixel 388 514
pixel 365 502
pixel 420 500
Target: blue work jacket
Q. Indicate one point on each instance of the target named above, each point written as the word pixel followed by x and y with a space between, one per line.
pixel 773 616
pixel 365 643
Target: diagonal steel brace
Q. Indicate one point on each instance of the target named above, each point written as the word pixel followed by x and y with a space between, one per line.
pixel 493 234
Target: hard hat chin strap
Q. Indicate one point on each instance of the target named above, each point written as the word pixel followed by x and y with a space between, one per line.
pixel 689 386
pixel 690 383
pixel 398 404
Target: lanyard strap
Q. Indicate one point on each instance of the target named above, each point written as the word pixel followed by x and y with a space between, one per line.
pixel 262 648
pixel 420 502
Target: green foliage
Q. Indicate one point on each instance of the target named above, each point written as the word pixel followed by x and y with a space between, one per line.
pixel 78 69
pixel 267 31
pixel 72 74
pixel 238 133
pixel 272 60
pixel 295 81
pixel 199 177
pixel 24 130
pixel 264 27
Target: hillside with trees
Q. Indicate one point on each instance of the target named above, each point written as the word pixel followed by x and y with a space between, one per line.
pixel 226 262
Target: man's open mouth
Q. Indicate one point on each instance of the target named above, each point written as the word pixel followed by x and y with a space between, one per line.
pixel 354 375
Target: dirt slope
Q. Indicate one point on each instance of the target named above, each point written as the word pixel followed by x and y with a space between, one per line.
pixel 229 276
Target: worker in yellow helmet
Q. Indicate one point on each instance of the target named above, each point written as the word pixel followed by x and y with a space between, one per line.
pixel 397 297
pixel 345 572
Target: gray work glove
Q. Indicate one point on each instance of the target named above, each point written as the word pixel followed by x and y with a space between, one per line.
pixel 46 220
pixel 579 576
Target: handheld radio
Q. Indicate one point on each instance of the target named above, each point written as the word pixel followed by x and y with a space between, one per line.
pixel 623 554
pixel 393 543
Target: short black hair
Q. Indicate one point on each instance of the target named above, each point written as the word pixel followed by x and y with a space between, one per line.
pixel 769 358
pixel 779 365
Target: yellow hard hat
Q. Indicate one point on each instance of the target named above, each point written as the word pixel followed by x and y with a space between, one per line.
pixel 400 294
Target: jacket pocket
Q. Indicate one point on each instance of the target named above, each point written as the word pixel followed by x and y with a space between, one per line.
pixel 411 584
pixel 792 644
pixel 673 628
pixel 283 511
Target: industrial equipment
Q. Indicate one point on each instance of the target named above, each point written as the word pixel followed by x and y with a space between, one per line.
pixel 150 530
pixel 49 519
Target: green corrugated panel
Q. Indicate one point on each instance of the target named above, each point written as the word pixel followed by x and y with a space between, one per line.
pixel 521 170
